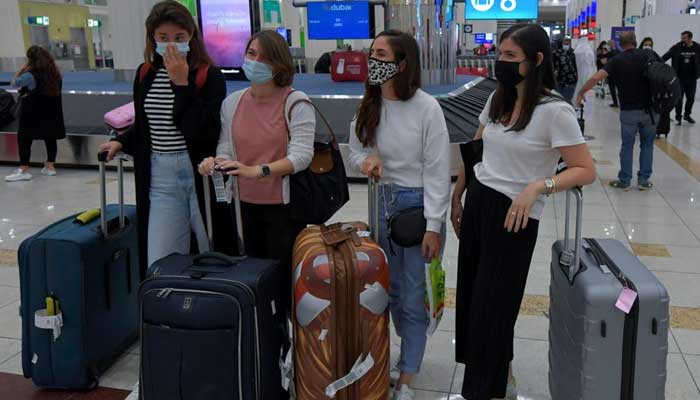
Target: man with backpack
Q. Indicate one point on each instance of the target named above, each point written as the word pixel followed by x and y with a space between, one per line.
pixel 637 111
pixel 685 58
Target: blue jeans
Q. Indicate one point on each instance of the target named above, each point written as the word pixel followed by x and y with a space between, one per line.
pixel 407 278
pixel 174 212
pixel 633 121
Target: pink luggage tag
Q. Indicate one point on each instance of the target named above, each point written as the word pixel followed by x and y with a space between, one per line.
pixel 626 300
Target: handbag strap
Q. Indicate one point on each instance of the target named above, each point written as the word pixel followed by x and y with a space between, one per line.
pixel 323 118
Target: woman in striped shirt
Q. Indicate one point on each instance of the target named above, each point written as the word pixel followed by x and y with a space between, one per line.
pixel 177 98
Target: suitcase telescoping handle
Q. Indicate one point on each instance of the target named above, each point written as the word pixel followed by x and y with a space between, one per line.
pixel 237 208
pixel 102 160
pixel 373 203
pixel 571 256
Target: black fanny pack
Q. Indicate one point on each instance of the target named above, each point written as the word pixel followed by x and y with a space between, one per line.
pixel 407 227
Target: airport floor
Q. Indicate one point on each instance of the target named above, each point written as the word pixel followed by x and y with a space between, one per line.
pixel 661 226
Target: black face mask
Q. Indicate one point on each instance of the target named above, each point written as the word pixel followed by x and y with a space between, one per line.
pixel 508 73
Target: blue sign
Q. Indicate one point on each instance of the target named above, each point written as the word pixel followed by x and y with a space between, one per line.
pixel 594 9
pixel 338 20
pixel 500 9
pixel 483 38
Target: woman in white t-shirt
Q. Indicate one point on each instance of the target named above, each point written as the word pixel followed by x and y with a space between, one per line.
pixel 525 129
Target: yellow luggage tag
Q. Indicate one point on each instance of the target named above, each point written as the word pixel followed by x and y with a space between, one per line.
pixel 88 216
pixel 50 306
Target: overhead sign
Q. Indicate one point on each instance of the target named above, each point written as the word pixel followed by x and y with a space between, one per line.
pixel 500 9
pixel 468 28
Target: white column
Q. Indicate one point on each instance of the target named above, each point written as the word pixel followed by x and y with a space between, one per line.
pixel 12 50
pixel 127 20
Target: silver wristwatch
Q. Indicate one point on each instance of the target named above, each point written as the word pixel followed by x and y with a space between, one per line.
pixel 550 184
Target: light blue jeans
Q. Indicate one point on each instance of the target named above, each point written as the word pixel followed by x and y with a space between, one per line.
pixel 407 278
pixel 174 212
pixel 633 121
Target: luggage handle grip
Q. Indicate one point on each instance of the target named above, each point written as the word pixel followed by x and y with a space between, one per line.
pixel 220 260
pixel 102 160
pixel 571 257
pixel 373 202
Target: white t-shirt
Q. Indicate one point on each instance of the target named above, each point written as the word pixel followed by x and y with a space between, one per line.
pixel 414 146
pixel 512 159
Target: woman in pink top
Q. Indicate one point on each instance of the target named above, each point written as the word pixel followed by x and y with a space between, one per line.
pixel 266 135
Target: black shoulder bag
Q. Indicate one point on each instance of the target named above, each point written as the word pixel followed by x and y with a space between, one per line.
pixel 320 190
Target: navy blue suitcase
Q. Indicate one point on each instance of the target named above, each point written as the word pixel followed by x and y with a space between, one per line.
pixel 212 326
pixel 92 272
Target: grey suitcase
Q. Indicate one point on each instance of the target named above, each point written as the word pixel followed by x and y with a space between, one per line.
pixel 596 351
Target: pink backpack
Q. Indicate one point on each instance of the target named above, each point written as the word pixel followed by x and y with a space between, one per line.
pixel 123 117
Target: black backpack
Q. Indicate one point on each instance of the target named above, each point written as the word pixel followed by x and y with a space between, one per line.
pixel 7 107
pixel 664 86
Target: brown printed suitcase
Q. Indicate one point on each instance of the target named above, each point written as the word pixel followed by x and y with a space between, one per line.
pixel 340 313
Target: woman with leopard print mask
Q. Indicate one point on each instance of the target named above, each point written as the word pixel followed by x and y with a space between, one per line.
pixel 400 134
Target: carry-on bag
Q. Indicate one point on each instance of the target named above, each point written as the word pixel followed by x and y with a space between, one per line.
pixel 609 316
pixel 349 66
pixel 121 117
pixel 212 326
pixel 79 282
pixel 340 311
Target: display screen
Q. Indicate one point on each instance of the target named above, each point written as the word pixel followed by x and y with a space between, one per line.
pixel 339 20
pixel 483 38
pixel 226 27
pixel 500 9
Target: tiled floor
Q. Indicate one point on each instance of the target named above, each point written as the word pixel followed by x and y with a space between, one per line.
pixel 662 226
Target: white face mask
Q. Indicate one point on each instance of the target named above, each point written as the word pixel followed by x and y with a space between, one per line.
pixel 647 47
pixel 566 47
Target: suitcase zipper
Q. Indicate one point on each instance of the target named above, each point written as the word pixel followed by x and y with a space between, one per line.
pixel 163 294
pixel 629 335
pixel 251 294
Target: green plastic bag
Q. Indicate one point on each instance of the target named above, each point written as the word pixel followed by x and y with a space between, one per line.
pixel 434 293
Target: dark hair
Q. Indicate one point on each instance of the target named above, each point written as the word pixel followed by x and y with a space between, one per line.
pixel 539 81
pixel 601 45
pixel 170 11
pixel 689 33
pixel 275 50
pixel 405 83
pixel 44 69
pixel 628 39
pixel 647 39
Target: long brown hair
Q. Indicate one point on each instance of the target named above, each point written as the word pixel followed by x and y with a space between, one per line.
pixel 171 11
pixel 276 51
pixel 539 81
pixel 406 83
pixel 42 66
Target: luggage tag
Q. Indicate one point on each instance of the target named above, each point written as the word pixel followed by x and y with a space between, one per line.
pixel 219 186
pixel 626 300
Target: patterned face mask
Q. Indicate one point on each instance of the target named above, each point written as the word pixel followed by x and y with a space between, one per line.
pixel 381 72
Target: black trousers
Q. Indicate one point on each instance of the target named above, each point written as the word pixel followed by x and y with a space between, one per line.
pixel 491 277
pixel 269 232
pixel 689 88
pixel 25 149
pixel 613 90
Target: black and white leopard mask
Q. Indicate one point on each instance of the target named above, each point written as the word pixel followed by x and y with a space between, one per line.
pixel 381 72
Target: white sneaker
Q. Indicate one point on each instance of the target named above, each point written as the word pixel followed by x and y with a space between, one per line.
pixel 404 394
pixel 18 175
pixel 134 393
pixel 512 390
pixel 48 172
pixel 394 374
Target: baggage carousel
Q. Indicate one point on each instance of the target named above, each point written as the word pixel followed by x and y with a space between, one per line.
pixel 87 96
